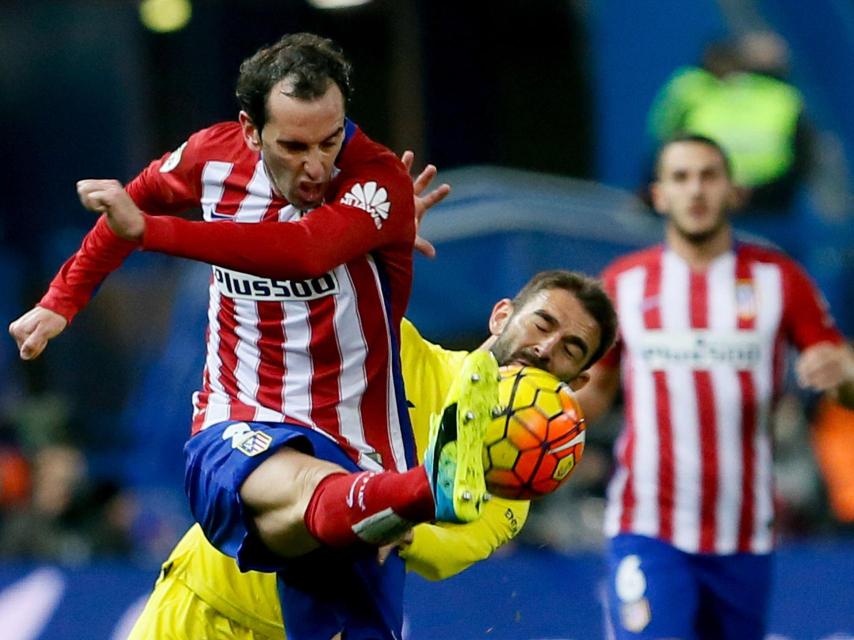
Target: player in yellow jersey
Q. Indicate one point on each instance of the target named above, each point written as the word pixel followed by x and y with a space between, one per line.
pixel 560 321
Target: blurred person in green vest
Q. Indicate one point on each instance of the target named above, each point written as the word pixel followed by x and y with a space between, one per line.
pixel 741 98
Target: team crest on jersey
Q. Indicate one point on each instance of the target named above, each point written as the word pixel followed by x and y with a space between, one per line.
pixel 371 198
pixel 745 299
pixel 173 159
pixel 245 440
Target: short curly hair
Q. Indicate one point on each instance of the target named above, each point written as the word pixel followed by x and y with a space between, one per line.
pixel 309 61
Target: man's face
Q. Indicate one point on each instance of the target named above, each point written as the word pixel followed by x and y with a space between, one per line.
pixel 693 190
pixel 299 143
pixel 552 331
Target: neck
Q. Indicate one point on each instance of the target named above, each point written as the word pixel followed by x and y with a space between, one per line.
pixel 698 255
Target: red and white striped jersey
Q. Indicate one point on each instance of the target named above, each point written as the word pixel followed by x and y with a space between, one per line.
pixel 304 316
pixel 702 358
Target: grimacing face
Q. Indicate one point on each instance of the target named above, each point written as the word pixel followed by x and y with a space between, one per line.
pixel 693 190
pixel 299 143
pixel 552 331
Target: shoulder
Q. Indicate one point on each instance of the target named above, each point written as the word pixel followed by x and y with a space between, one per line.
pixel 779 87
pixel 412 342
pixel 221 141
pixel 794 279
pixel 365 156
pixel 760 254
pixel 643 258
pixel 221 132
pixel 691 74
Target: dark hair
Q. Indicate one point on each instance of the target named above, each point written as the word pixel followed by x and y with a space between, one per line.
pixel 308 61
pixel 692 137
pixel 588 291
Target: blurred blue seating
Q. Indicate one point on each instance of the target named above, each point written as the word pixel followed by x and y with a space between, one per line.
pixel 500 226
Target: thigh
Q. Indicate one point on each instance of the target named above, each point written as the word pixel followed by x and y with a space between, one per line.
pixel 734 596
pixel 275 496
pixel 652 592
pixel 174 612
pixel 219 460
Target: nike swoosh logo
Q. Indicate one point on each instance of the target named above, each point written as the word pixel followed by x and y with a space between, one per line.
pixel 350 499
pixel 352 491
pixel 576 440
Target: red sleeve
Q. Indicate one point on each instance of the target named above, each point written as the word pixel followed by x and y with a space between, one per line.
pixel 806 316
pixel 101 253
pixel 168 185
pixel 372 208
pixel 171 184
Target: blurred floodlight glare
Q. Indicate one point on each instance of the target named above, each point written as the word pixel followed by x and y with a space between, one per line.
pixel 164 16
pixel 336 4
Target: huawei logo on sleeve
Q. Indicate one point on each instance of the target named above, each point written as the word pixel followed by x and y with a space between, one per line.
pixel 371 198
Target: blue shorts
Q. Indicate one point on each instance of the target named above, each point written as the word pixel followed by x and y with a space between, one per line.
pixel 658 591
pixel 322 592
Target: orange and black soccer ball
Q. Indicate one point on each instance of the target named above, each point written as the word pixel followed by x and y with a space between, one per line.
pixel 535 438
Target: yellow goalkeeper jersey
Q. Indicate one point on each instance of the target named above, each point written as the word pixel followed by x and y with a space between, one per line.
pixel 437 551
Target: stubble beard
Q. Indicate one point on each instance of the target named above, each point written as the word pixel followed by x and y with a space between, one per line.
pixel 698 238
pixel 505 354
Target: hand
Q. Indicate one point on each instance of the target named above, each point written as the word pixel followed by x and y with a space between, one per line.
pixel 110 198
pixel 423 203
pixel 34 329
pixel 825 366
pixel 385 551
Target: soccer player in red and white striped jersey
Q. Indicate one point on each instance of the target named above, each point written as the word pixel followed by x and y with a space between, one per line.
pixel 704 323
pixel 301 441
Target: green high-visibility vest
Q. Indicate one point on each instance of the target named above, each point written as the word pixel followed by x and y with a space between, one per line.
pixel 754 118
pixel 685 91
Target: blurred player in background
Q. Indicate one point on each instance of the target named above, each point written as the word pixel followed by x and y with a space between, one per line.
pixel 302 456
pixel 703 325
pixel 560 321
pixel 741 98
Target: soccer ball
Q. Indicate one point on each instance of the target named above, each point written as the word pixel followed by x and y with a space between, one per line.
pixel 535 439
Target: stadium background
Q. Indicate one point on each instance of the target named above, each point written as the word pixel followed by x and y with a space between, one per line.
pixel 534 111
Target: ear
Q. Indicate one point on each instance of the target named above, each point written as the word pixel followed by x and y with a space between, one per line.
pixel 659 200
pixel 737 197
pixel 251 135
pixel 580 382
pixel 501 313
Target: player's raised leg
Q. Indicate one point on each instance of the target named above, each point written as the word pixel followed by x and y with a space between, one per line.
pixel 298 501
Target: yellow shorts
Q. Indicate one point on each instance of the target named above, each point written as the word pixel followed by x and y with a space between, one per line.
pixel 174 612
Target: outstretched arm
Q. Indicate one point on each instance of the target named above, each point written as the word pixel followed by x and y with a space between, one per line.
pixel 299 249
pixel 100 254
pixel 439 551
pixel 328 236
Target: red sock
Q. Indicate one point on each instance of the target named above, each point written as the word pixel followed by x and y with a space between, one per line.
pixel 370 507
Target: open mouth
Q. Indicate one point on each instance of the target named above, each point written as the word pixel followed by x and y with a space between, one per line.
pixel 310 192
